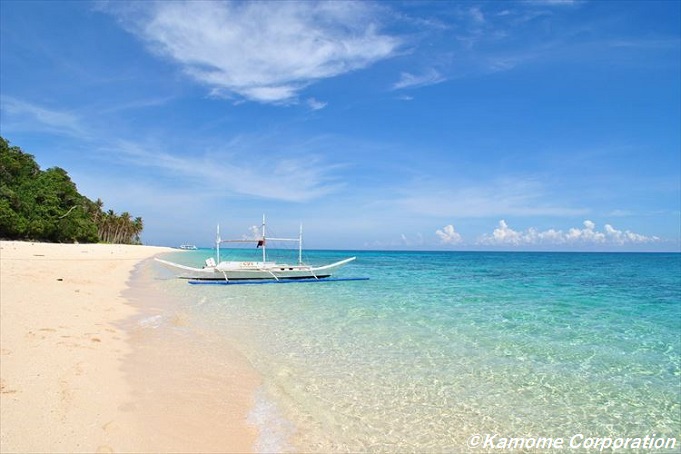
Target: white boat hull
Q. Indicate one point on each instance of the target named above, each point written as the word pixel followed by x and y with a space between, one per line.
pixel 233 271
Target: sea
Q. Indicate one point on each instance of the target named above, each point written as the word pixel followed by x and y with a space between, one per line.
pixel 454 351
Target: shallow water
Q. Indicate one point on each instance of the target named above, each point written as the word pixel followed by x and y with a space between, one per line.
pixel 439 346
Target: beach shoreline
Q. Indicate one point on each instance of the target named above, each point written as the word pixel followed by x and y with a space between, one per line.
pixel 76 376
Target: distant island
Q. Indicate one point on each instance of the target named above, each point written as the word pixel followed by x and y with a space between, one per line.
pixel 45 205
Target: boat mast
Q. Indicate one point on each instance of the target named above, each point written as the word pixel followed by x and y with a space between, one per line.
pixel 264 241
pixel 217 243
pixel 300 245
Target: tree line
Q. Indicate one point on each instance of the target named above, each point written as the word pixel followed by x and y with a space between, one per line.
pixel 45 205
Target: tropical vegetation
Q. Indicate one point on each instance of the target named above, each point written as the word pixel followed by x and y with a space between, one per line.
pixel 45 205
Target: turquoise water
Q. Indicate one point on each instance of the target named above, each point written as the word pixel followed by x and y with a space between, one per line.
pixel 439 346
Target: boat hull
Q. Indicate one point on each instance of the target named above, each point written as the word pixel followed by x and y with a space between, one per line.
pixel 235 271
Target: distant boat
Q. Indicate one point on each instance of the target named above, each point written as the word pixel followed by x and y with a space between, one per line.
pixel 216 270
pixel 188 247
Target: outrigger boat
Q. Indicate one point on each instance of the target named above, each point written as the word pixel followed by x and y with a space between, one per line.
pixel 216 270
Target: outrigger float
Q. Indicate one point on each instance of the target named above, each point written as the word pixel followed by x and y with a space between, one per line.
pixel 270 281
pixel 263 271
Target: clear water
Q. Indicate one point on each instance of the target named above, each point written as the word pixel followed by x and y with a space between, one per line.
pixel 438 346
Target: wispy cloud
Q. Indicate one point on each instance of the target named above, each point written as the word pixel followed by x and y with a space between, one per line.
pixel 23 115
pixel 315 104
pixel 137 104
pixel 408 80
pixel 262 51
pixel 505 197
pixel 476 15
pixel 589 235
pixel 497 36
pixel 277 174
pixel 553 2
pixel 294 179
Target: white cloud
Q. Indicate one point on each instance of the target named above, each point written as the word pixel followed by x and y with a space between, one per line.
pixel 503 235
pixel 262 51
pixel 586 236
pixel 314 104
pixel 408 80
pixel 448 235
pixel 627 237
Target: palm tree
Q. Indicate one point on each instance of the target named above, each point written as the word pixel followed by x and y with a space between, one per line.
pixel 123 229
pixel 138 225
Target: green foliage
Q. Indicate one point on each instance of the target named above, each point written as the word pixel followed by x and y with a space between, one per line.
pixel 46 205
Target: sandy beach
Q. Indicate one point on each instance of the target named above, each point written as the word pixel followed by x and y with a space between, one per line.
pixel 76 378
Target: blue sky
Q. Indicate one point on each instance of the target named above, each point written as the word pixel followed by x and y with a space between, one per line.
pixel 543 125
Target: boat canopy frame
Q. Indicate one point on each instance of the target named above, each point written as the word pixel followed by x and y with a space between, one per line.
pixel 261 242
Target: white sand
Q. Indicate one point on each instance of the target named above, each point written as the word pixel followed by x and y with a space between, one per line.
pixel 71 376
